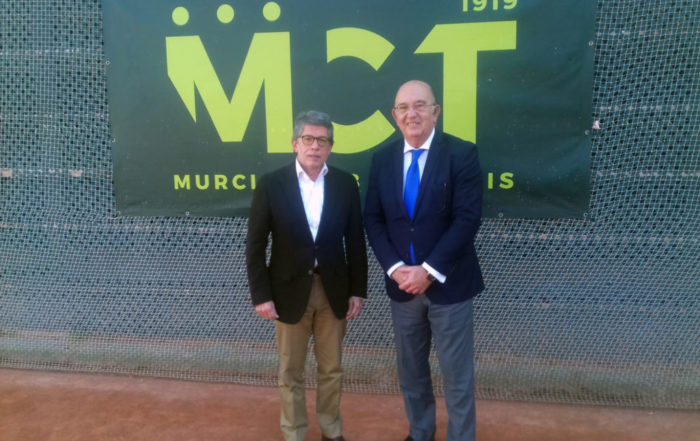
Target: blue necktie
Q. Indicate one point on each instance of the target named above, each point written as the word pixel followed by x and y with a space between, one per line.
pixel 410 191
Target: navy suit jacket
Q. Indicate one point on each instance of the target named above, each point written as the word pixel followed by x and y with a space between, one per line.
pixel 339 247
pixel 446 219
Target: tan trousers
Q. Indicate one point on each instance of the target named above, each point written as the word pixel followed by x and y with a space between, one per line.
pixel 292 344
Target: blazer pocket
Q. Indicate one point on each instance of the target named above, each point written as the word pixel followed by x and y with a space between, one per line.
pixel 281 278
pixel 341 270
pixel 342 275
pixel 442 197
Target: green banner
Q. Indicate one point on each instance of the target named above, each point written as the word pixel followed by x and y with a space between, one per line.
pixel 202 94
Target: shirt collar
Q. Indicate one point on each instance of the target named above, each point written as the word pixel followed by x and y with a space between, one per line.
pixel 426 145
pixel 302 174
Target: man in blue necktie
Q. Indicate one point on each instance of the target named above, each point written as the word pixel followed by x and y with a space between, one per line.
pixel 422 213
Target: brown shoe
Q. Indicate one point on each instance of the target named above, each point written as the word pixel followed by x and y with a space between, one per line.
pixel 340 438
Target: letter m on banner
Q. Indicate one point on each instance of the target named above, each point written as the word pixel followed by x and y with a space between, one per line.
pixel 267 63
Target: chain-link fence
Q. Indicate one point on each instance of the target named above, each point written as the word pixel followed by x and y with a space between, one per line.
pixel 602 310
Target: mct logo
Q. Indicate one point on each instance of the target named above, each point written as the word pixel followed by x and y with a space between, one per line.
pixel 268 66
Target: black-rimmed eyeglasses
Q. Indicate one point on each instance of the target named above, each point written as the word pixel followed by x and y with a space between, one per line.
pixel 322 141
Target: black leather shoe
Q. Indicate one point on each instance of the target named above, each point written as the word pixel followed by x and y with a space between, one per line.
pixel 432 438
pixel 340 438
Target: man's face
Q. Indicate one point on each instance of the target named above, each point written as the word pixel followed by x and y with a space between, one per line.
pixel 415 112
pixel 312 157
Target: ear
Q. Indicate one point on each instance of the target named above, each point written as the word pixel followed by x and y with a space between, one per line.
pixel 436 111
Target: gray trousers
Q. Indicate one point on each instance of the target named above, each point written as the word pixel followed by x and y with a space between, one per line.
pixel 416 322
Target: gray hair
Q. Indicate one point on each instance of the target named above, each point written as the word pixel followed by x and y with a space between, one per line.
pixel 312 118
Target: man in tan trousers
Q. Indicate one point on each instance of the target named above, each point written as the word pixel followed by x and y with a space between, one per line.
pixel 317 274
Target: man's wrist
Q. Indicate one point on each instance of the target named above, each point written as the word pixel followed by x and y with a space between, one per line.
pixel 439 277
pixel 393 268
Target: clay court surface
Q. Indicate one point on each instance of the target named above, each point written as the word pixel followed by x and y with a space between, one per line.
pixel 57 406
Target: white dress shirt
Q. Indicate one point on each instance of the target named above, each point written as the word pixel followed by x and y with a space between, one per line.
pixel 407 158
pixel 312 194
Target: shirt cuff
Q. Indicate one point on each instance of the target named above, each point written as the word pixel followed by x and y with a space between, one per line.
pixel 394 267
pixel 435 273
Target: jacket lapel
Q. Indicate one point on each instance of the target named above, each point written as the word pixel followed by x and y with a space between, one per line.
pixel 295 204
pixel 431 164
pixel 330 198
pixel 397 173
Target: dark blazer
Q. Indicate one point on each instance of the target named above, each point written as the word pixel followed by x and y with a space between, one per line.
pixel 445 222
pixel 340 249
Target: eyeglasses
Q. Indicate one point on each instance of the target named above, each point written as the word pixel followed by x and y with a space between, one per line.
pixel 322 141
pixel 419 107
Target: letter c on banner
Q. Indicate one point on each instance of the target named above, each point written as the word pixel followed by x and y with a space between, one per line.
pixel 373 49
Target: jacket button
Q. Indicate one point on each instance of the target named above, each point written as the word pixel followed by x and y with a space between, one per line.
pixel 311 272
pixel 413 229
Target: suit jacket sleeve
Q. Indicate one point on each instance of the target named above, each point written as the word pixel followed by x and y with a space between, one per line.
pixel 375 220
pixel 259 225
